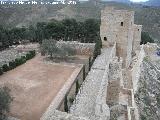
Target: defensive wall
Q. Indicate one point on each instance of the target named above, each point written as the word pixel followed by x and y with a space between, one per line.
pixel 108 90
pixel 118 26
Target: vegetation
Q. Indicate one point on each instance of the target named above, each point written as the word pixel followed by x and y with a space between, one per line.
pixel 51 48
pixel 98 46
pixel 5 100
pixel 12 64
pixel 67 29
pixel 66 104
pixel 77 86
pixel 145 37
pixel 5 68
pixel 71 99
pixel 1 71
pixel 18 61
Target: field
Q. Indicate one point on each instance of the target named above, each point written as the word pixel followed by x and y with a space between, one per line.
pixel 34 85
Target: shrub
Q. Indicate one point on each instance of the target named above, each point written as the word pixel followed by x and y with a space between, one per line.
pixel 66 104
pixel 5 100
pixel 28 56
pixel 145 37
pixel 12 64
pixel 71 100
pixel 17 61
pixel 77 87
pixel 5 68
pixel 1 71
pixel 22 59
pixel 98 46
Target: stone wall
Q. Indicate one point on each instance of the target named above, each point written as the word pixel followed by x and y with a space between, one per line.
pixel 137 37
pixel 118 26
pixel 58 101
pixel 90 101
pixel 72 91
pixel 114 84
pixel 137 68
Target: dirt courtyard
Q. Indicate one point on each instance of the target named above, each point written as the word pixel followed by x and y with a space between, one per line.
pixel 34 85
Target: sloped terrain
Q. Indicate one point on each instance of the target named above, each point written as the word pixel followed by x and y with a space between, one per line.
pixel 24 15
pixel 148 94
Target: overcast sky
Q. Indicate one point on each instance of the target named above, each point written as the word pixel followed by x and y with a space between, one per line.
pixel 138 0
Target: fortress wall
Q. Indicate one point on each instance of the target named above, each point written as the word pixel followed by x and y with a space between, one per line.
pixel 117 26
pixel 114 83
pixel 102 110
pixel 137 68
pixel 90 101
pixel 137 37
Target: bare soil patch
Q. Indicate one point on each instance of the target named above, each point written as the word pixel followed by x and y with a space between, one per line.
pixel 34 85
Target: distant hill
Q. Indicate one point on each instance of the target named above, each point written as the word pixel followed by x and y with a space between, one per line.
pixel 152 3
pixel 24 15
pixel 120 1
pixel 148 3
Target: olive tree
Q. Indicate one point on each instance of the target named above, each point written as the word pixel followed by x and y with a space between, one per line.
pixel 50 47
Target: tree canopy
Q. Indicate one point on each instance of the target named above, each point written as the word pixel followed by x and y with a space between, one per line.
pixel 145 37
pixel 67 30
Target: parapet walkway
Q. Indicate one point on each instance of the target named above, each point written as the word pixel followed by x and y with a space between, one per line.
pixel 86 101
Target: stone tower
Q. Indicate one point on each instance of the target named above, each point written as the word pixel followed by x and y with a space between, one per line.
pixel 118 26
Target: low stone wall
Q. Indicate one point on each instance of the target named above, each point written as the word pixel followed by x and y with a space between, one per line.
pixel 57 103
pixel 80 48
pixel 28 47
pixel 72 91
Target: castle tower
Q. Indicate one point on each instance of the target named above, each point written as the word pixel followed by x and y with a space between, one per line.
pixel 137 37
pixel 118 26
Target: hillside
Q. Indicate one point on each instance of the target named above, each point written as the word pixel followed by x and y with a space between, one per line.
pixel 24 15
pixel 152 3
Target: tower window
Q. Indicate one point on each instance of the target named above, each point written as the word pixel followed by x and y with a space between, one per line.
pixel 105 38
pixel 121 23
pixel 138 29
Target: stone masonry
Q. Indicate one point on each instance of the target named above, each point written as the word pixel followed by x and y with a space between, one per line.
pixel 118 26
pixel 107 93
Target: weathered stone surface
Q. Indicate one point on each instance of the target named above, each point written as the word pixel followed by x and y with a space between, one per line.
pixel 118 26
